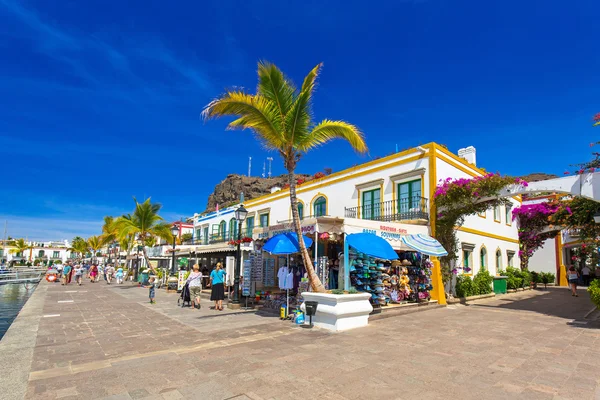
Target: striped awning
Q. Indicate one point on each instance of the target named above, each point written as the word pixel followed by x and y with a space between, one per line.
pixel 425 244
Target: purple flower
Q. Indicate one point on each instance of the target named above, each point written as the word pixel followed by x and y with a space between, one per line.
pixel 455 271
pixel 467 269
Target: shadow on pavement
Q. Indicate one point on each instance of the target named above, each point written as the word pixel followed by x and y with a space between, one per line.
pixel 553 301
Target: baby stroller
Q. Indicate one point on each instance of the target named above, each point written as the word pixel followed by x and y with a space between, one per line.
pixel 185 296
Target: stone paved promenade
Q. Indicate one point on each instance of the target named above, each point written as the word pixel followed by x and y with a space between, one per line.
pixel 97 341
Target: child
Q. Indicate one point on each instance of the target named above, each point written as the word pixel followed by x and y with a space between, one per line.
pixel 151 285
pixel 78 274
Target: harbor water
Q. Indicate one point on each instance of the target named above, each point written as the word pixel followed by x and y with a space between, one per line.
pixel 12 298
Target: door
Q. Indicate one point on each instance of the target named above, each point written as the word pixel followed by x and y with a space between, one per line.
pixel 409 198
pixel 371 204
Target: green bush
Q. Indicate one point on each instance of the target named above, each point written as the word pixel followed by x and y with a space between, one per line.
pixel 464 286
pixel 594 290
pixel 526 278
pixel 515 279
pixel 546 278
pixel 483 283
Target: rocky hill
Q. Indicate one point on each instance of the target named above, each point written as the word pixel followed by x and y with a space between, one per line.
pixel 538 176
pixel 228 191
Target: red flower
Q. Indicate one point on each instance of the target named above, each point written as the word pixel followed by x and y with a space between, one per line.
pixel 597 117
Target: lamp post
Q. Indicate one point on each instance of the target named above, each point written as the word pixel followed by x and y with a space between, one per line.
pixel 174 232
pixel 240 216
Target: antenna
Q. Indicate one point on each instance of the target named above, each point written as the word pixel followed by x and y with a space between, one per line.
pixel 249 165
pixel 264 168
pixel 269 159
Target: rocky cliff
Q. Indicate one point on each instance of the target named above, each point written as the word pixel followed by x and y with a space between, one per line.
pixel 228 191
pixel 538 176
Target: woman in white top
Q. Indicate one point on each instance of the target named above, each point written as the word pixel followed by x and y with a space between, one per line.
pixel 195 285
pixel 573 276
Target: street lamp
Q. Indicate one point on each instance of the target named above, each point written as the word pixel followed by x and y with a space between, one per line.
pixel 240 216
pixel 174 232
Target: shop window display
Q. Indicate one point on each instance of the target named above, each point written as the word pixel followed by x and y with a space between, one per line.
pixel 392 282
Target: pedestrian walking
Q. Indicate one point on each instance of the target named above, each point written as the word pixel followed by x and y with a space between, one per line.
pixel 78 274
pixel 119 276
pixel 66 273
pixel 217 278
pixel 586 274
pixel 93 273
pixel 100 272
pixel 195 285
pixel 573 276
pixel 152 289
pixel 59 269
pixel 109 271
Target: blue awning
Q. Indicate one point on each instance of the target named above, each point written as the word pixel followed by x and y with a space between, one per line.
pixel 372 245
pixel 285 243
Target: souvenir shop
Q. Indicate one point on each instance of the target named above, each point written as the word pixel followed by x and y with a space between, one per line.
pixel 388 260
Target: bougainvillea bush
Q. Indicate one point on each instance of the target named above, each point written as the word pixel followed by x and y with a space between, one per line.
pixel 457 199
pixel 535 227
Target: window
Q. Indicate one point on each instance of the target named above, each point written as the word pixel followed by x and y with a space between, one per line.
pixel 508 214
pixel 222 227
pixel 466 260
pixel 249 226
pixel 233 228
pixel 497 214
pixel 371 204
pixel 511 258
pixel 206 235
pixel 320 207
pixel 409 196
pixel 56 254
pixel 301 211
pixel 483 259
pixel 264 220
pixel 498 260
pixel 198 234
pixel 41 253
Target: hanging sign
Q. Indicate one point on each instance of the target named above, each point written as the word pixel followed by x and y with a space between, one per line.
pixel 180 280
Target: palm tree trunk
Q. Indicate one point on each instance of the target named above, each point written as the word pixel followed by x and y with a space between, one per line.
pixel 314 280
pixel 147 259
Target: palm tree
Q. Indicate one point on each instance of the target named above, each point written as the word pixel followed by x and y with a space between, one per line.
pixel 109 230
pixel 281 117
pixel 144 223
pixel 20 245
pixel 79 245
pixel 95 243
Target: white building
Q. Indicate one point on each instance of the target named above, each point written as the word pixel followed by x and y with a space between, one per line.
pixel 390 196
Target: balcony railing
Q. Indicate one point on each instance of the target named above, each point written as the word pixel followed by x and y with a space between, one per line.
pixel 222 237
pixel 404 209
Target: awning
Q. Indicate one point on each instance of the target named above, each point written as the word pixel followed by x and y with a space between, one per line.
pixel 218 248
pixel 372 245
pixel 390 231
pixel 425 244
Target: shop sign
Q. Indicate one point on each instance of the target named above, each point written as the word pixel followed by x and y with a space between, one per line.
pixel 387 232
pixel 284 228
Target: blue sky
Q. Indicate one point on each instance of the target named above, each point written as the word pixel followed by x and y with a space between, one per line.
pixel 100 100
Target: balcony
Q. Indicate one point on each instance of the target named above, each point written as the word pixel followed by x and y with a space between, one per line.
pixel 406 209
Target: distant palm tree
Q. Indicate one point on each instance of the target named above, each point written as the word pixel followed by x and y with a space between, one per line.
pixel 144 223
pixel 281 117
pixel 20 245
pixel 95 243
pixel 109 230
pixel 79 245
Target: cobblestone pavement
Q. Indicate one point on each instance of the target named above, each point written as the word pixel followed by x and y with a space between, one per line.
pixel 107 342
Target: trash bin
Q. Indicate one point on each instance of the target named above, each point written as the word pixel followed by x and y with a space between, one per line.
pixel 144 276
pixel 500 284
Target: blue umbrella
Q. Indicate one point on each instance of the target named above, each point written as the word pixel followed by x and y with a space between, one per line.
pixel 425 244
pixel 372 245
pixel 285 243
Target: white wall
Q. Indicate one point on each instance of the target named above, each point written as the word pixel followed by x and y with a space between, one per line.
pixel 544 259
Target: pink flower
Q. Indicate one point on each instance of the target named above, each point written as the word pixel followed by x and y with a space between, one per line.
pixel 592 169
pixel 566 173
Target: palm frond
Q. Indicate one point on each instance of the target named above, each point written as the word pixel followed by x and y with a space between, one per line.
pixel 328 130
pixel 276 87
pixel 299 118
pixel 311 79
pixel 254 112
pixel 162 231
